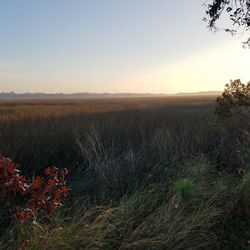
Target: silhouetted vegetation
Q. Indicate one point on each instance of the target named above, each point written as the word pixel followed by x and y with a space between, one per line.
pixel 233 121
pixel 237 11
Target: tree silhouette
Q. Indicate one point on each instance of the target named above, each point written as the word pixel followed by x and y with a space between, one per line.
pixel 233 122
pixel 238 12
pixel 235 100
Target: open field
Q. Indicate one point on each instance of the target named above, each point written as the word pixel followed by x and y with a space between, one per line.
pixel 14 109
pixel 38 133
pixel 129 162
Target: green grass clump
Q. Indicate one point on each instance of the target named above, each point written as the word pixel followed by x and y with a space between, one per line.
pixel 185 189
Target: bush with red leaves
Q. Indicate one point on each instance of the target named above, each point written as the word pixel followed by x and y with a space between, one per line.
pixel 26 199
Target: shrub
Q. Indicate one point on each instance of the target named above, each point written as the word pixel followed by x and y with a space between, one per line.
pixel 233 123
pixel 27 199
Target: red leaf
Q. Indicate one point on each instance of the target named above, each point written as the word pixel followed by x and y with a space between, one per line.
pixel 65 190
pixel 57 195
pixel 10 167
pixel 52 182
pixel 37 183
pixel 50 170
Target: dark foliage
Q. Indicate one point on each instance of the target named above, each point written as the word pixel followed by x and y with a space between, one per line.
pixel 233 120
pixel 234 100
pixel 238 12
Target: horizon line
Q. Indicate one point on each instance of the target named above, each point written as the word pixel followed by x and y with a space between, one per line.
pixel 108 93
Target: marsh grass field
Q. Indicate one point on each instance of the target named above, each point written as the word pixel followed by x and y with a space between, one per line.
pixel 48 131
pixel 144 173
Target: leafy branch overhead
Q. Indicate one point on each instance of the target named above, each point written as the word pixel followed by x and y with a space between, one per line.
pixel 237 11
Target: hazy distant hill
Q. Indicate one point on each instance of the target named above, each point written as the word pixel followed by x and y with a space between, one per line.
pixel 86 95
pixel 200 93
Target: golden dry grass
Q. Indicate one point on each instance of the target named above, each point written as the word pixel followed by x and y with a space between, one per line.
pixel 15 110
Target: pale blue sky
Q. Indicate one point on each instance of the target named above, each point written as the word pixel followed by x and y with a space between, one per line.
pixel 158 46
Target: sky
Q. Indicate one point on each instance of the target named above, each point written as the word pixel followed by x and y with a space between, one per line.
pixel 139 46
